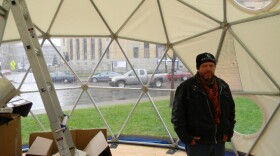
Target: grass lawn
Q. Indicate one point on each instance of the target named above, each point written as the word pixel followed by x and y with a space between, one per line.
pixel 144 120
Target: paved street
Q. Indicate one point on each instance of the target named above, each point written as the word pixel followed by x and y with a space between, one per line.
pixel 68 97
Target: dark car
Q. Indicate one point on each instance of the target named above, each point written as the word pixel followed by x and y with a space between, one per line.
pixel 104 76
pixel 179 75
pixel 62 77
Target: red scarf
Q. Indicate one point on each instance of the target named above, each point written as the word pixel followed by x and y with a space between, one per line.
pixel 212 92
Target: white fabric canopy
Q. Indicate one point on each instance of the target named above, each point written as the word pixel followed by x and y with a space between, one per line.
pixel 181 23
pixel 188 27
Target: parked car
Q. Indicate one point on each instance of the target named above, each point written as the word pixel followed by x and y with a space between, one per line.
pixel 130 78
pixel 21 70
pixel 62 77
pixel 6 72
pixel 104 76
pixel 179 75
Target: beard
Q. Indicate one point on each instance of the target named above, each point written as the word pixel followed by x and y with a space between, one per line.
pixel 207 76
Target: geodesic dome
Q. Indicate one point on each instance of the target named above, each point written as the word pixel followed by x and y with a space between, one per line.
pixel 247 43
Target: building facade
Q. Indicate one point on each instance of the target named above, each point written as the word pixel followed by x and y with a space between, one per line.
pixel 87 53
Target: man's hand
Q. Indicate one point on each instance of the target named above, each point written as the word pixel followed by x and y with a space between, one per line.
pixel 225 138
pixel 195 139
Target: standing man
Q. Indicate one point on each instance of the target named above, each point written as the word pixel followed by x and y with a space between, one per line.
pixel 203 112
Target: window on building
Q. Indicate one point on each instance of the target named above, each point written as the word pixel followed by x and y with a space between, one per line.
pixel 66 56
pixel 71 49
pixel 99 47
pixel 92 48
pixel 146 50
pixel 108 53
pixel 135 52
pixel 160 49
pixel 78 48
pixel 85 48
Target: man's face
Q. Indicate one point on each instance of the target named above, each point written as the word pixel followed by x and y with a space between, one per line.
pixel 207 70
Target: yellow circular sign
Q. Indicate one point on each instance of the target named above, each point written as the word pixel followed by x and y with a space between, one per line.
pixel 13 65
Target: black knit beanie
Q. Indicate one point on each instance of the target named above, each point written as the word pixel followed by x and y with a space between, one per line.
pixel 204 57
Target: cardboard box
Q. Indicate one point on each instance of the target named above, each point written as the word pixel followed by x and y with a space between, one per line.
pixel 10 134
pixel 40 147
pixel 7 91
pixel 81 138
pixel 96 145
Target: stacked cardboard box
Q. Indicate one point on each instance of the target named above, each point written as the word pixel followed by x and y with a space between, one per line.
pixel 10 134
pixel 10 127
pixel 91 141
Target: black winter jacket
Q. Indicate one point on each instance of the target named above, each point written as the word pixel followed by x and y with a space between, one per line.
pixel 193 113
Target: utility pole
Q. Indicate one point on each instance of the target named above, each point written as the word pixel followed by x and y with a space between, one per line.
pixel 172 86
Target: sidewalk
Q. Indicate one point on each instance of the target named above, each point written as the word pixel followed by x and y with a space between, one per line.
pixel 102 104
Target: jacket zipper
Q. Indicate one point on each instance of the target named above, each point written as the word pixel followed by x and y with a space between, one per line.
pixel 216 127
pixel 211 113
pixel 210 110
pixel 212 120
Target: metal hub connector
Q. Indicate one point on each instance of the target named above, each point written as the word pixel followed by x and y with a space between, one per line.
pixel 224 25
pixel 114 36
pixel 46 36
pixel 84 87
pixel 145 89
